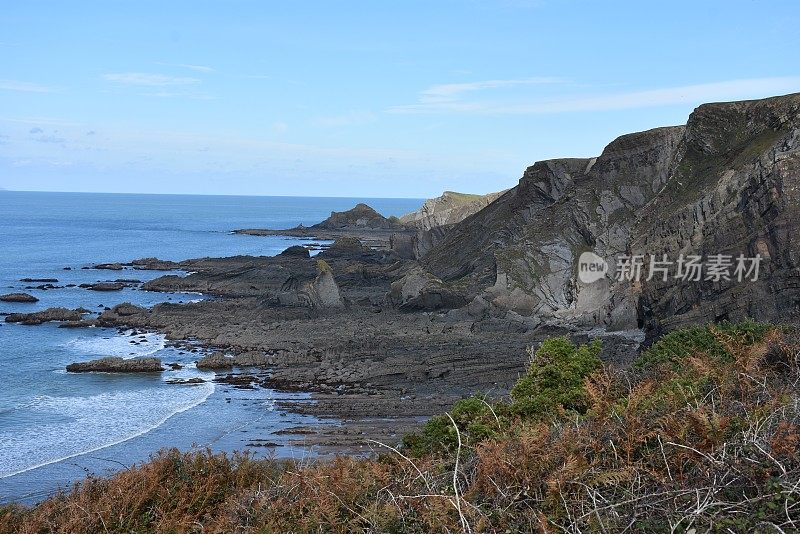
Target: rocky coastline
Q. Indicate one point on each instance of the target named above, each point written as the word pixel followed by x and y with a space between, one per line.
pixel 400 317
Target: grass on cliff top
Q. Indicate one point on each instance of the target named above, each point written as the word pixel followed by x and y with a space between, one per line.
pixel 702 435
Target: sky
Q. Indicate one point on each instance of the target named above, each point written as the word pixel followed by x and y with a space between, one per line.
pixel 360 99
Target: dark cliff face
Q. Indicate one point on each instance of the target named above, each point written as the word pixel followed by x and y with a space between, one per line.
pixel 726 183
pixel 734 191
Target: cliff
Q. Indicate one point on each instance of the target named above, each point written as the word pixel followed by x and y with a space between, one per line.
pixel 449 208
pixel 726 183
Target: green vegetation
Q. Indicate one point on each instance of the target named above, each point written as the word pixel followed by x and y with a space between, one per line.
pixel 703 434
pixel 555 378
pixel 715 341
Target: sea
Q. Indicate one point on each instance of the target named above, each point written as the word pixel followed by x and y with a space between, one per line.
pixel 56 428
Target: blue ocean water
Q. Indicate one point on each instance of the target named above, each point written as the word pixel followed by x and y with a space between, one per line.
pixel 56 427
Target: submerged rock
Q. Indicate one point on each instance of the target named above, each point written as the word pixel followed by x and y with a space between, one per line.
pixel 117 365
pixel 85 323
pixel 186 381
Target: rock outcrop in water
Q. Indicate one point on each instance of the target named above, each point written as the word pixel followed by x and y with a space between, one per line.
pixel 117 365
pixel 18 297
pixel 44 316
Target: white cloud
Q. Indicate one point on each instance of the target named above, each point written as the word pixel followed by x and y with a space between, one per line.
pixel 444 98
pixel 39 120
pixel 449 92
pixel 27 87
pixel 179 94
pixel 196 68
pixel 150 80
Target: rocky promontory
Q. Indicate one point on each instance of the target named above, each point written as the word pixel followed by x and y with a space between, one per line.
pixel 361 222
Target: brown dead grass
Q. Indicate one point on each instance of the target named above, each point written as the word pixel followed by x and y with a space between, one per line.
pixel 710 444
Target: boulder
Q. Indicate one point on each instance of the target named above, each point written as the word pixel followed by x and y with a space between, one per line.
pixel 420 290
pixel 324 291
pixel 117 365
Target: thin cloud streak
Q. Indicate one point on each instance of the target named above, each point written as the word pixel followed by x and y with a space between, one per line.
pixel 448 92
pixel 196 68
pixel 687 94
pixel 148 80
pixel 25 87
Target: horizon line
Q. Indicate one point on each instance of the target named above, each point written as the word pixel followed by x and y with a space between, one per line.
pixel 2 190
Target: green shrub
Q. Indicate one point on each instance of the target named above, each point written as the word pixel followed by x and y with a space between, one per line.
pixel 674 347
pixel 475 419
pixel 555 378
pixel 553 382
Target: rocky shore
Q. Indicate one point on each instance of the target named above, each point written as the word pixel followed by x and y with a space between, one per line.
pixel 398 318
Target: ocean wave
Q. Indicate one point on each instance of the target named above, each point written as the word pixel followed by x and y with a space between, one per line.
pixel 118 345
pixel 80 425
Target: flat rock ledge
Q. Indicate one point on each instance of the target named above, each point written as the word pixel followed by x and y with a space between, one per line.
pixel 18 297
pixel 117 365
pixel 44 316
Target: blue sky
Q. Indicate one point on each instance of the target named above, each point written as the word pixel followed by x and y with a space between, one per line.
pixel 381 99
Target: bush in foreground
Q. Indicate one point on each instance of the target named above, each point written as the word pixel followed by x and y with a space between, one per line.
pixel 703 434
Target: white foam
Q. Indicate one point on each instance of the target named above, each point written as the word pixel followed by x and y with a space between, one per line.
pixel 115 344
pixel 80 425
